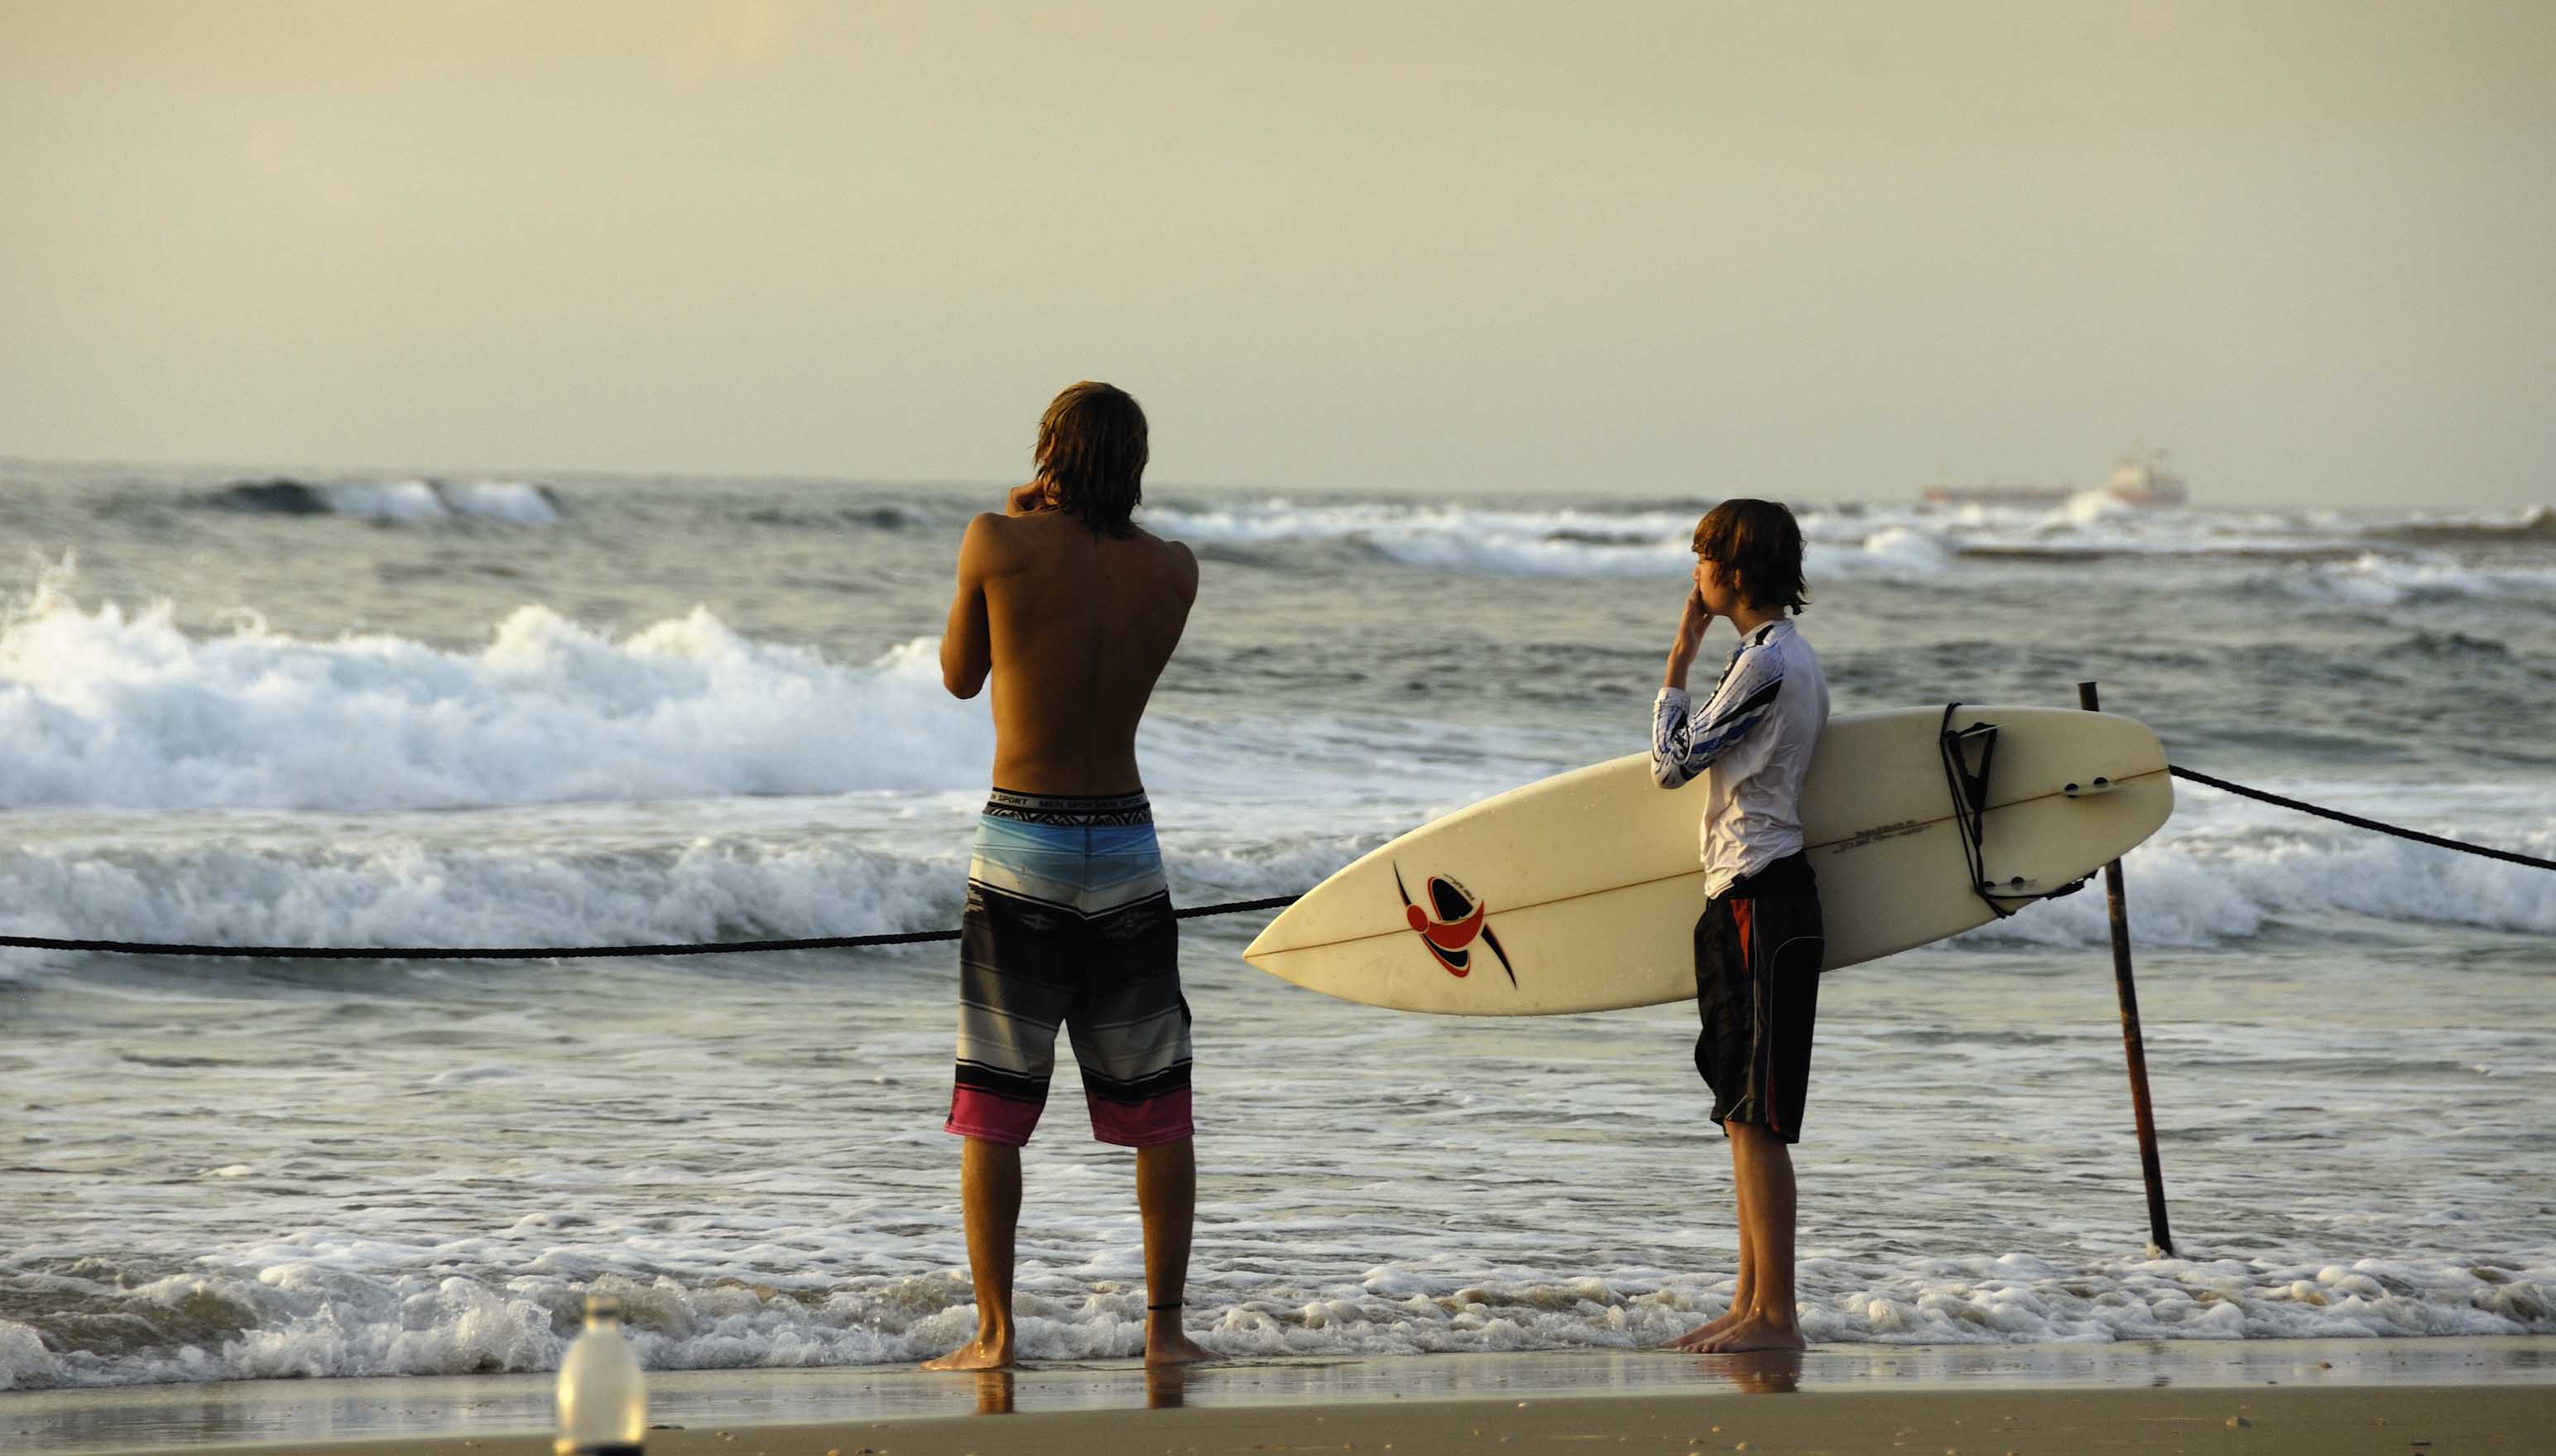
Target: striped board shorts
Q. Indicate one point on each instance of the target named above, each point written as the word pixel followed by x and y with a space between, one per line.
pixel 1069 923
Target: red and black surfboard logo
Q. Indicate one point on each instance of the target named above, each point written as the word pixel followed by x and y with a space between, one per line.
pixel 1457 922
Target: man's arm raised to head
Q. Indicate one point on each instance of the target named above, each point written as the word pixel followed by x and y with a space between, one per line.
pixel 967 643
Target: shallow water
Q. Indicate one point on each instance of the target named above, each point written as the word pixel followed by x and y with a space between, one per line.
pixel 460 1408
pixel 639 710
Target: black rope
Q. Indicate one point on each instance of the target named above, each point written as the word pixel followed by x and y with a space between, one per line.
pixel 556 953
pixel 2357 822
pixel 918 937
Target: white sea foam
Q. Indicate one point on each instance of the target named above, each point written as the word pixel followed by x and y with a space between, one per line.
pixel 391 892
pixel 105 707
pixel 2376 580
pixel 2210 880
pixel 2226 869
pixel 386 887
pixel 394 501
pixel 402 502
pixel 1888 541
pixel 1552 543
pixel 501 500
pixel 317 1306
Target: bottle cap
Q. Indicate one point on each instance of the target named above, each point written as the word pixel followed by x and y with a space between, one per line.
pixel 602 1307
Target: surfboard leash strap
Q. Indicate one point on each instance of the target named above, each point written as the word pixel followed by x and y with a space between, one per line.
pixel 1970 790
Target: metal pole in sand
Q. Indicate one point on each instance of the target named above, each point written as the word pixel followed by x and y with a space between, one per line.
pixel 2133 1044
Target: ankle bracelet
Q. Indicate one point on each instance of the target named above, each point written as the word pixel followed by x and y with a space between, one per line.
pixel 1159 1308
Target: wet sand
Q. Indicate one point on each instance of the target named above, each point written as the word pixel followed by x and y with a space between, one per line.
pixel 2411 1397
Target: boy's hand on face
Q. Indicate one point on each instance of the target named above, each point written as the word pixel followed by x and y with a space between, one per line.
pixel 1027 499
pixel 1692 622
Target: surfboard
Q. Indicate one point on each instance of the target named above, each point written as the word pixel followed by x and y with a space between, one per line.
pixel 1580 892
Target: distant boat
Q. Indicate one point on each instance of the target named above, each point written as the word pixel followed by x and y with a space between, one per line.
pixel 2144 479
pixel 2137 479
pixel 1998 495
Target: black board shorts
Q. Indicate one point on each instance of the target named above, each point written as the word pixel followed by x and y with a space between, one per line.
pixel 1757 954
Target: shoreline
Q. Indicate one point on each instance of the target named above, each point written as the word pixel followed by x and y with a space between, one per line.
pixel 2320 1396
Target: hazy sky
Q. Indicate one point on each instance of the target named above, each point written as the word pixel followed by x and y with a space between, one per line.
pixel 1817 250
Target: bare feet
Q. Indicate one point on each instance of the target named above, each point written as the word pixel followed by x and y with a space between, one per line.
pixel 986 1351
pixel 1692 1340
pixel 1758 1331
pixel 1175 1348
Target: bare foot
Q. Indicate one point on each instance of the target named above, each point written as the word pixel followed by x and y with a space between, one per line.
pixel 986 1351
pixel 1756 1332
pixel 1692 1340
pixel 1176 1349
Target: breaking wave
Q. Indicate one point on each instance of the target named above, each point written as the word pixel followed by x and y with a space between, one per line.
pixel 396 502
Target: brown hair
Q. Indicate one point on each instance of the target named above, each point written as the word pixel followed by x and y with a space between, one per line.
pixel 1758 547
pixel 1091 444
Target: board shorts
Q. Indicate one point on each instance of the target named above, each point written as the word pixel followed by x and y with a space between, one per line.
pixel 1068 922
pixel 1757 954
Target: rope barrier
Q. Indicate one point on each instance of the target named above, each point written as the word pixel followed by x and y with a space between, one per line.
pixel 918 937
pixel 556 953
pixel 2357 822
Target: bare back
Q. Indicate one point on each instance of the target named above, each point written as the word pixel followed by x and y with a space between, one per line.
pixel 1077 629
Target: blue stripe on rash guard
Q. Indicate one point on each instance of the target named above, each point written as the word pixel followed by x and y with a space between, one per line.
pixel 1684 744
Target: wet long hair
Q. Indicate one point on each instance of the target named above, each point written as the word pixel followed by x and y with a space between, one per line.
pixel 1091 446
pixel 1758 546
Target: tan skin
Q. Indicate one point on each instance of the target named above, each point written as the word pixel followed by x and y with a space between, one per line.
pixel 1762 1314
pixel 1073 628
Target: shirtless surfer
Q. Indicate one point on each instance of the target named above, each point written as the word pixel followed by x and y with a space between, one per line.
pixel 1073 611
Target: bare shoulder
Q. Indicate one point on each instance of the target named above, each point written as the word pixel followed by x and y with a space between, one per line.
pixel 991 541
pixel 1178 562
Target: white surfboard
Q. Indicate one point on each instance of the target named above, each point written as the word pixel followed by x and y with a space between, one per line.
pixel 1581 892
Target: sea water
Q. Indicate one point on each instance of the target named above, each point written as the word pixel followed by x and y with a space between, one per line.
pixel 371 709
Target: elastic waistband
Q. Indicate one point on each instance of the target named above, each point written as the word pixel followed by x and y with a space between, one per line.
pixel 1785 879
pixel 1069 808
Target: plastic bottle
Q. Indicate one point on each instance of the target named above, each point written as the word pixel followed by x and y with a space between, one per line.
pixel 602 1403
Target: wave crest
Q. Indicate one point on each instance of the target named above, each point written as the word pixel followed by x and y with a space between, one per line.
pixel 1565 542
pixel 395 503
pixel 107 709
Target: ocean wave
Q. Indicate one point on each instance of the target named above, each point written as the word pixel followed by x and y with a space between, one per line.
pixel 1545 543
pixel 853 515
pixel 317 1305
pixel 396 502
pixel 2228 871
pixel 108 709
pixel 114 710
pixel 1890 540
pixel 394 889
pixel 397 892
pixel 2219 876
pixel 2534 526
pixel 2374 579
